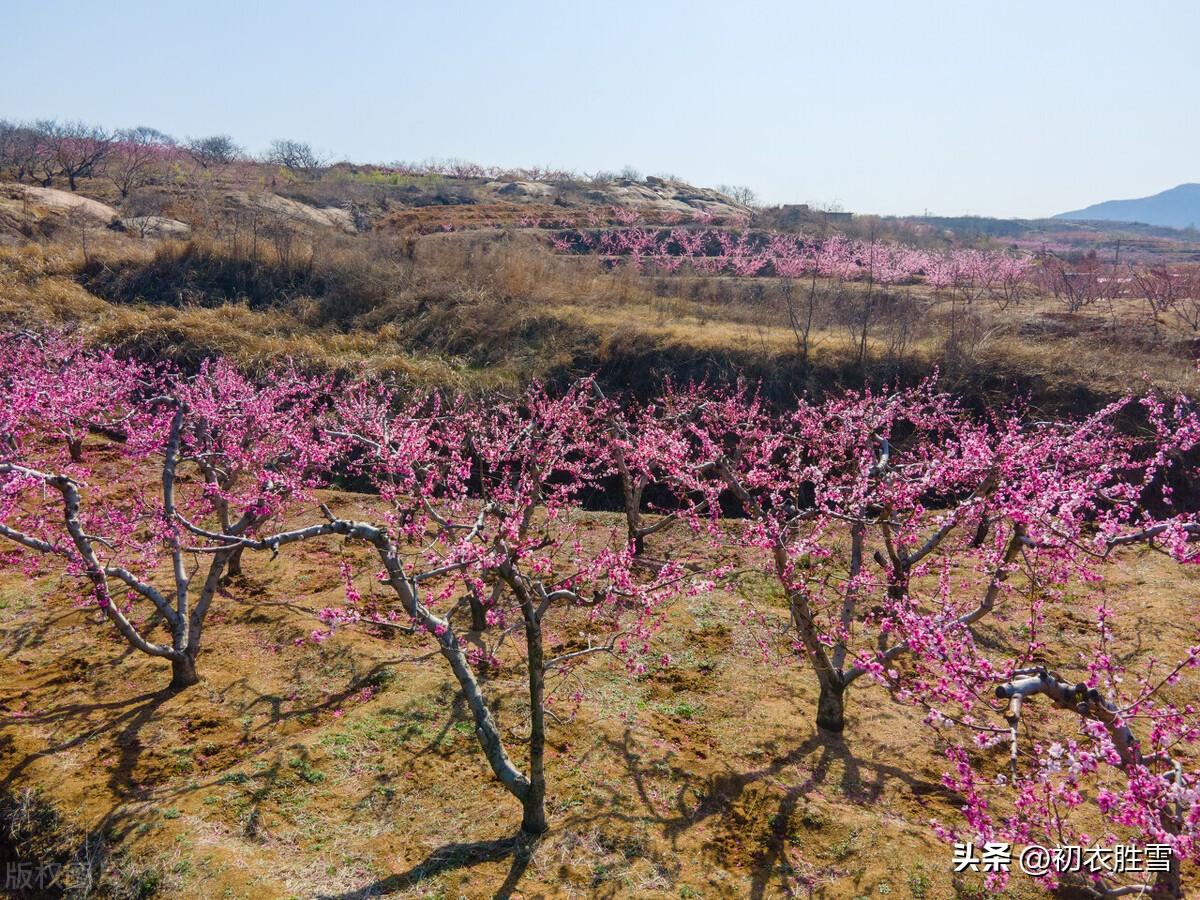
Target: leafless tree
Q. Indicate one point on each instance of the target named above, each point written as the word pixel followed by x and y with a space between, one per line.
pixel 77 149
pixel 739 193
pixel 801 319
pixel 20 145
pixel 11 139
pixel 1187 300
pixel 213 152
pixel 297 157
pixel 78 221
pixel 25 152
pixel 136 151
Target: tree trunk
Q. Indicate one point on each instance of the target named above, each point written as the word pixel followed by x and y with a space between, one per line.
pixel 183 672
pixel 831 706
pixel 633 513
pixel 534 804
pixel 479 620
pixel 486 730
pixel 233 568
pixel 75 448
pixel 981 531
pixel 1168 885
pixel 534 801
pixel 808 322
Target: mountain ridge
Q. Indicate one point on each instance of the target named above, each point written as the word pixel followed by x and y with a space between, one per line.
pixel 1177 207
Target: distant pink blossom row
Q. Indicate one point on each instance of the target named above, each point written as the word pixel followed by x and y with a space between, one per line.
pixel 747 253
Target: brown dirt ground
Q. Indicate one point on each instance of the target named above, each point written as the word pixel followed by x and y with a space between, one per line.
pixel 278 776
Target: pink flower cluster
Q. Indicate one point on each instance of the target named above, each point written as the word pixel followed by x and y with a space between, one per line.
pixel 748 253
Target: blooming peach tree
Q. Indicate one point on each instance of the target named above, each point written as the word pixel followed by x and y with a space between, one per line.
pixel 56 387
pixel 1098 741
pixel 484 513
pixel 256 449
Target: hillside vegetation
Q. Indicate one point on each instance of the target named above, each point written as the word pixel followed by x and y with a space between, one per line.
pixel 454 279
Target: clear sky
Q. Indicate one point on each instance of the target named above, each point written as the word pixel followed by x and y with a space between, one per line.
pixel 1015 109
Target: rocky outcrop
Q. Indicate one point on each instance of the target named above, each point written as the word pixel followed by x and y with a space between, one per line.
pixel 651 197
pixel 153 226
pixel 522 190
pixel 55 200
pixel 293 211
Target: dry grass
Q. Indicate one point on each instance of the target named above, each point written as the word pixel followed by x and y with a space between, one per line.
pixel 497 309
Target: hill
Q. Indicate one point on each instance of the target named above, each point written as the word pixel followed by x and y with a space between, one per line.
pixel 1178 207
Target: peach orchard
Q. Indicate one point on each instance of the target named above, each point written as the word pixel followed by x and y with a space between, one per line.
pixel 895 522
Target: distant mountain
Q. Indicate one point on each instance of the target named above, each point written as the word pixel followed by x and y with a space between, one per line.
pixel 1178 207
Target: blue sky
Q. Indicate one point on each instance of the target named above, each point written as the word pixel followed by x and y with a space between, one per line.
pixel 1017 108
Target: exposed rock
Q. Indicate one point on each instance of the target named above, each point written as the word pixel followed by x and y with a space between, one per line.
pixel 535 190
pixel 154 226
pixel 59 201
pixel 654 196
pixel 293 210
pixel 667 197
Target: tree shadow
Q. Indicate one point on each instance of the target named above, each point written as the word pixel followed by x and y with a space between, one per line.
pixel 450 857
pixel 372 678
pixel 861 782
pixel 132 714
pixel 23 634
